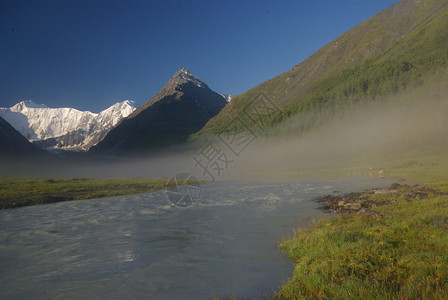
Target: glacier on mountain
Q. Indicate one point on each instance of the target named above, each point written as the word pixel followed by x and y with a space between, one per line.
pixel 64 128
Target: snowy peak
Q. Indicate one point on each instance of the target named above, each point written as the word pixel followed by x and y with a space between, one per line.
pixel 120 108
pixel 125 103
pixel 112 115
pixel 22 105
pixel 128 103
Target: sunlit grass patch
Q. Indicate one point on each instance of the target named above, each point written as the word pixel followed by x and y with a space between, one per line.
pixel 401 253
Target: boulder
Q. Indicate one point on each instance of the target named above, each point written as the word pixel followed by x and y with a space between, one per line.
pixel 355 206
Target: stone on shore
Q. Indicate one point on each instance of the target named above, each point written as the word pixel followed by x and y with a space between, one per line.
pixel 355 206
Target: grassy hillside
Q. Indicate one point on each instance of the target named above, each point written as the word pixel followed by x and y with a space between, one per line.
pixel 393 51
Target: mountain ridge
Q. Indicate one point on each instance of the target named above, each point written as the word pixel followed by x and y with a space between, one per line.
pixel 64 128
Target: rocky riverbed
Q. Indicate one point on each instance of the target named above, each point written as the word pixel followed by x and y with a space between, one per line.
pixel 365 202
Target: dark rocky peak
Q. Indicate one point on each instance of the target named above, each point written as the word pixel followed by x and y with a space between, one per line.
pixel 182 77
pixel 182 82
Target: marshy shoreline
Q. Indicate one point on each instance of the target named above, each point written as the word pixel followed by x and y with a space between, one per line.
pixel 365 202
pixel 379 243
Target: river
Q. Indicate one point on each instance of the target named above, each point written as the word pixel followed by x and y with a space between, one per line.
pixel 141 247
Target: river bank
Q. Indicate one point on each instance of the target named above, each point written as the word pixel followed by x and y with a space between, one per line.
pixel 381 243
pixel 17 192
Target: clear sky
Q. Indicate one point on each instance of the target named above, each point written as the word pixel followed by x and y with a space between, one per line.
pixel 89 54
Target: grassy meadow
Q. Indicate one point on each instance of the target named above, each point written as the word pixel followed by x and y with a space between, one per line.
pixel 17 192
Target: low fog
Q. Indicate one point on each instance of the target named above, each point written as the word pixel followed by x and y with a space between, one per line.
pixel 413 122
pixel 409 124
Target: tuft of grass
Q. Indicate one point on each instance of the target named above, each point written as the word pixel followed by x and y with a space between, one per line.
pixel 399 253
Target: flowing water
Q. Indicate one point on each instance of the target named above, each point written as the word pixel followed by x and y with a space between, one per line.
pixel 140 247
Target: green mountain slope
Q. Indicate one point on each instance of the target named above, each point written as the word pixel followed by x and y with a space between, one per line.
pixel 395 50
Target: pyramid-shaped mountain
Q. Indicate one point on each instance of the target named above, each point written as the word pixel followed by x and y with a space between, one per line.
pixel 182 107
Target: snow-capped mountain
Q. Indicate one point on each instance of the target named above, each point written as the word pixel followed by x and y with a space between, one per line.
pixel 64 128
pixel 106 120
pixel 39 122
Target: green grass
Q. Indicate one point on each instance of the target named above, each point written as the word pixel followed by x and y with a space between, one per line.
pixel 398 252
pixel 17 192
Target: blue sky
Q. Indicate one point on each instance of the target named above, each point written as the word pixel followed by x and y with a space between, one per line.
pixel 89 54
